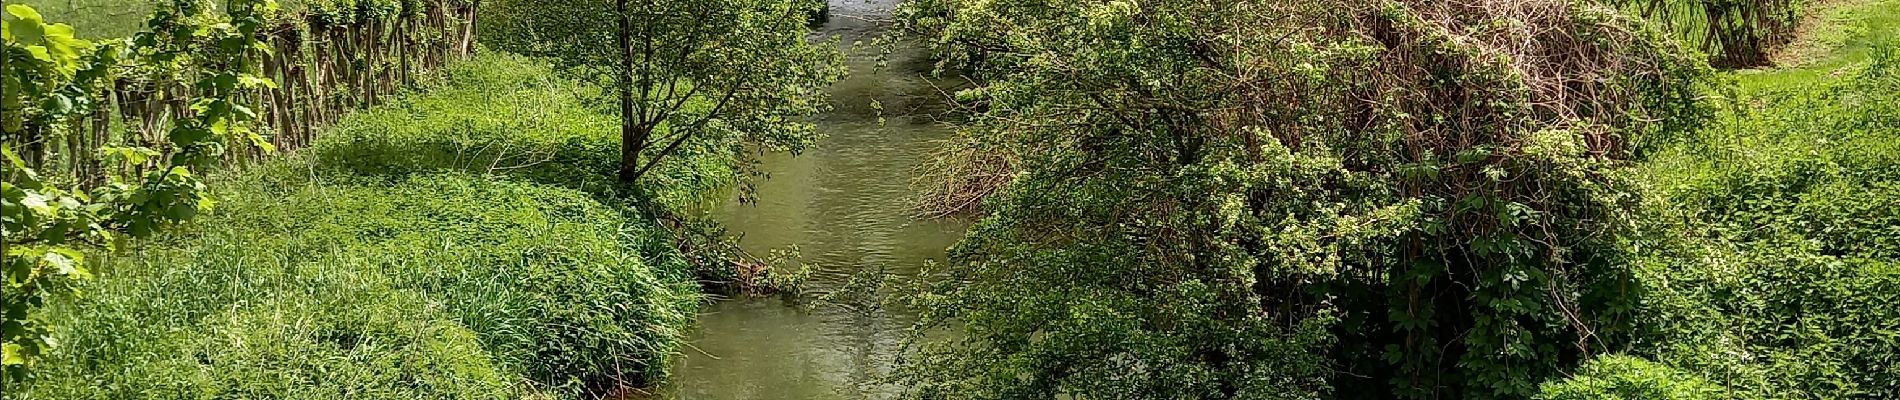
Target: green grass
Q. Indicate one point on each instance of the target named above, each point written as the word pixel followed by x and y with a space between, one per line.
pixel 1843 35
pixel 509 115
pixel 1621 377
pixel 410 254
pixel 1775 268
pixel 95 19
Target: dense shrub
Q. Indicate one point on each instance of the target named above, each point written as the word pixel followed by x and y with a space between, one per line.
pixel 1620 377
pixel 1250 199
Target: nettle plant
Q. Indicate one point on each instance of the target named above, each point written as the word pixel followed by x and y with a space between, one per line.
pixel 50 76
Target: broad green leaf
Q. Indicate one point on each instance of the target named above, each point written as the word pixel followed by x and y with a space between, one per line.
pixel 60 262
pixel 68 262
pixel 37 202
pixel 262 143
pixel 181 211
pixel 24 12
pixel 10 353
pixel 250 81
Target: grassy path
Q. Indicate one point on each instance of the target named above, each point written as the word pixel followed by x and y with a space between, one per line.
pixel 1837 36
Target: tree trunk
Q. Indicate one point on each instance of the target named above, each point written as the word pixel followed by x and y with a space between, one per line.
pixel 468 31
pixel 101 135
pixel 629 150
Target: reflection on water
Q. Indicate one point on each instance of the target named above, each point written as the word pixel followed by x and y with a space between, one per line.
pixel 846 205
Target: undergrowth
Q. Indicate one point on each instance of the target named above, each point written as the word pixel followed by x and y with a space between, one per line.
pixel 1622 377
pixel 1772 263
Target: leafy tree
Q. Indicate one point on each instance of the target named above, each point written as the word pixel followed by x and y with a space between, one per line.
pixel 1256 199
pixel 47 74
pixel 709 71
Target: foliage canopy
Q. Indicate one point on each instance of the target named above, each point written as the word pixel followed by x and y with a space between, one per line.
pixel 705 71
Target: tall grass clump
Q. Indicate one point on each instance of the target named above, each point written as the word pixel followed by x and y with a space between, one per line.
pixel 1776 266
pixel 517 117
pixel 434 286
pixel 451 245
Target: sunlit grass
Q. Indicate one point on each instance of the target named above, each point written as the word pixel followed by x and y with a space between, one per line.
pixel 95 19
pixel 1844 35
pixel 455 261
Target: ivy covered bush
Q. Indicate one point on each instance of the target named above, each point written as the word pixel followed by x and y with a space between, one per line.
pixel 1250 199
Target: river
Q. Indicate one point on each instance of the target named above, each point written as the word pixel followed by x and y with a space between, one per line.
pixel 846 206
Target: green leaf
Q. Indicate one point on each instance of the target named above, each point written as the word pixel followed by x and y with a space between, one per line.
pixel 37 202
pixel 24 13
pixel 40 53
pixel 10 353
pixel 181 212
pixel 262 143
pixel 249 81
pixel 60 262
pixel 68 262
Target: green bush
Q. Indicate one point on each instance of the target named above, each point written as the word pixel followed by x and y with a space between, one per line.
pixel 1242 199
pixel 344 335
pixel 1777 319
pixel 214 312
pixel 1821 163
pixel 1620 377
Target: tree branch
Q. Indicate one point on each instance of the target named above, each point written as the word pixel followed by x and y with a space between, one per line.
pixel 670 147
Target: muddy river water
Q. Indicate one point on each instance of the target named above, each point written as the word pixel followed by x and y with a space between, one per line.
pixel 846 206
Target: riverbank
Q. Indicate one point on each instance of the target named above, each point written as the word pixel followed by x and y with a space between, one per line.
pixel 460 242
pixel 1772 263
